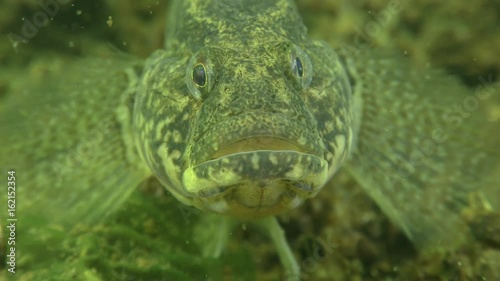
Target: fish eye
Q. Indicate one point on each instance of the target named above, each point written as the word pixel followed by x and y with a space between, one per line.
pixel 297 67
pixel 300 66
pixel 199 75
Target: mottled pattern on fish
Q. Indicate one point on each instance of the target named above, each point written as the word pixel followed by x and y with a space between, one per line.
pixel 418 158
pixel 274 138
pixel 55 139
pixel 77 140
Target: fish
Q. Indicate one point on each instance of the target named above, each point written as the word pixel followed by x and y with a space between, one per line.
pixel 245 116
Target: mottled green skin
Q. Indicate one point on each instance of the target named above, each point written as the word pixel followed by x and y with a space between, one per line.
pixel 412 151
pixel 251 94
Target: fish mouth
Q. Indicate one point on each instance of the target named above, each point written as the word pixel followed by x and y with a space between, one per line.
pixel 256 131
pixel 257 175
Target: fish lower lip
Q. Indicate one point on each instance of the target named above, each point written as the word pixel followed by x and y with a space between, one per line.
pixel 268 180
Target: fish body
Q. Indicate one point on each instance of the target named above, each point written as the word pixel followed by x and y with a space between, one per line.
pixel 258 137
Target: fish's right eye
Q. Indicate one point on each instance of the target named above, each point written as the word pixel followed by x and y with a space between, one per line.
pixel 202 71
pixel 200 75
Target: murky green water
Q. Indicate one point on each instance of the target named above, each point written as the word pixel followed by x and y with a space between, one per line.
pixel 339 235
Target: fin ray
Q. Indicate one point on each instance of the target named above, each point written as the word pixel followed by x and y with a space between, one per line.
pixel 419 155
pixel 64 139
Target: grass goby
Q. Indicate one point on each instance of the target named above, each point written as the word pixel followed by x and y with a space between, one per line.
pixel 243 116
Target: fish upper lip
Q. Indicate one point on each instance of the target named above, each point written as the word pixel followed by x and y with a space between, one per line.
pixel 285 135
pixel 257 143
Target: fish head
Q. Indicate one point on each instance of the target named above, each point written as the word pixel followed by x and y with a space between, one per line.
pixel 247 131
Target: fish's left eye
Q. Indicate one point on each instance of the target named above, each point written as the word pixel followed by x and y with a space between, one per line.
pixel 199 75
pixel 297 67
pixel 300 66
